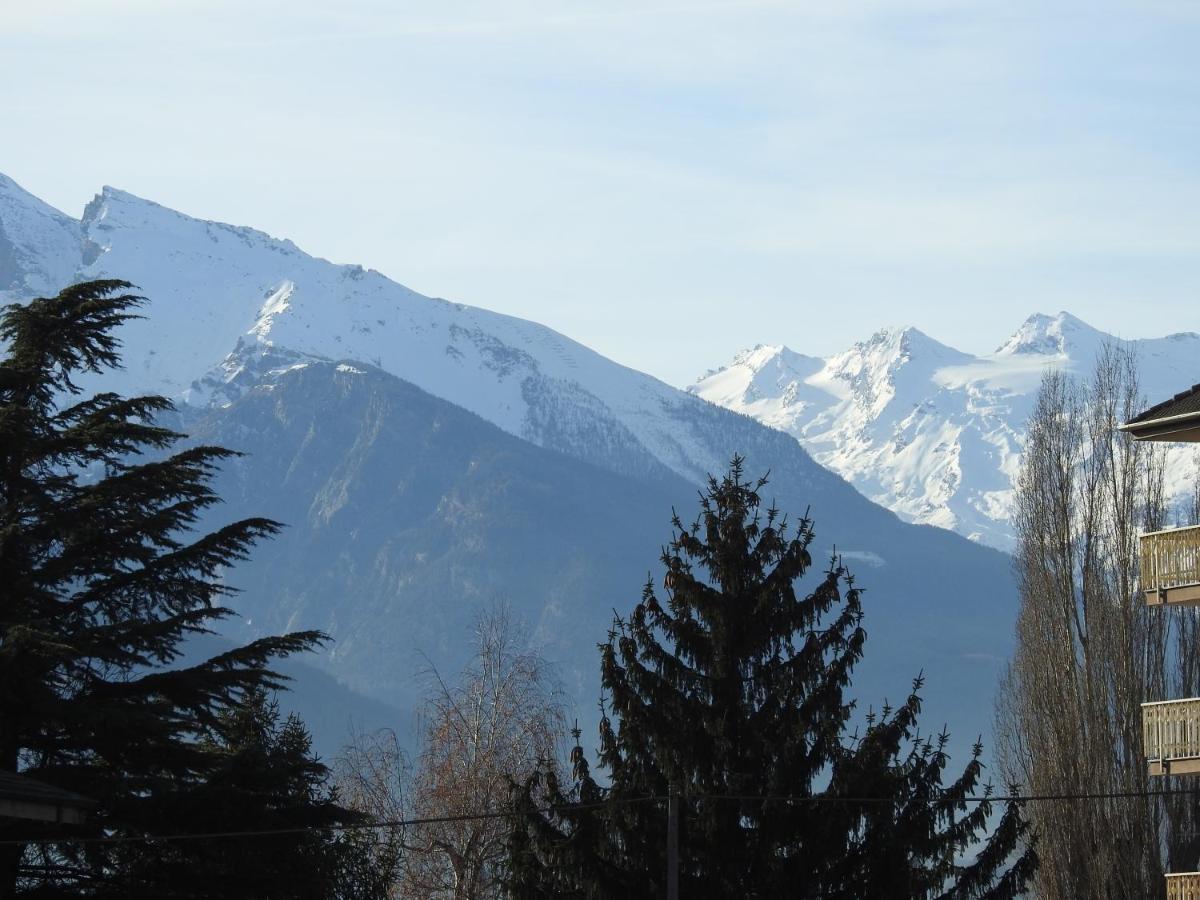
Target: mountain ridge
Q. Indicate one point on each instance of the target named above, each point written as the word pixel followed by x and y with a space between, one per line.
pixel 342 380
pixel 928 431
pixel 500 367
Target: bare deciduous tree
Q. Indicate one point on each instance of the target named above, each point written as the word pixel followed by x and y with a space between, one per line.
pixel 1088 651
pixel 500 719
pixel 372 776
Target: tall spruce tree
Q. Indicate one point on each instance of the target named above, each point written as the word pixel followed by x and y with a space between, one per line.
pixel 731 694
pixel 100 584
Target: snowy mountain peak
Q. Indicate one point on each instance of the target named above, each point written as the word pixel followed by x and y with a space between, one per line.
pixel 904 344
pixel 39 246
pixel 229 305
pixel 1052 335
pixel 763 371
pixel 933 433
pixel 771 357
pixel 878 358
pixel 875 371
pixel 114 210
pixel 755 358
pixel 889 351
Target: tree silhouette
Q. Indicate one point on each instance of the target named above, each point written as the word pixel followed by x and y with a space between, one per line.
pixel 731 694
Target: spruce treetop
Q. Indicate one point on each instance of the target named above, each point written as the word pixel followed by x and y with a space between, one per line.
pixel 728 689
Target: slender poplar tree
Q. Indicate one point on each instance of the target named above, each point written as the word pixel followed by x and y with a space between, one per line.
pixel 729 692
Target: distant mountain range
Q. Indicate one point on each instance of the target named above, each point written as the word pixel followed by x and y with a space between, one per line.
pixel 930 432
pixel 430 456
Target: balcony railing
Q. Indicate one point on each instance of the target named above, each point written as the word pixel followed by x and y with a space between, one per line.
pixel 1184 886
pixel 1170 565
pixel 1171 736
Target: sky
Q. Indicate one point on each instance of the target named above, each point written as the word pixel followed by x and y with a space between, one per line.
pixel 666 182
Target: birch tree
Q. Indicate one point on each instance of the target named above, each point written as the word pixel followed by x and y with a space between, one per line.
pixel 494 724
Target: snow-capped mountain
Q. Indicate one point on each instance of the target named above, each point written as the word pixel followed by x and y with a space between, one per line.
pixel 258 295
pixel 430 456
pixel 40 247
pixel 932 433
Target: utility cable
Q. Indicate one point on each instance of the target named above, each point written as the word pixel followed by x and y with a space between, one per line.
pixel 650 798
pixel 302 829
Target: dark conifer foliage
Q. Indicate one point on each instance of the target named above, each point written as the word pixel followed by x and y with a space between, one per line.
pixel 731 693
pixel 100 583
pixel 264 777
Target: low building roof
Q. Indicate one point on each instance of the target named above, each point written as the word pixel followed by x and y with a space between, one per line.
pixel 1176 419
pixel 22 797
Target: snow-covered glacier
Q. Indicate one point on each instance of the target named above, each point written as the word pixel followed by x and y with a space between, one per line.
pixel 932 433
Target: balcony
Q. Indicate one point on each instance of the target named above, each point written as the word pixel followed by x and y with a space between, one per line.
pixel 1171 737
pixel 1170 564
pixel 1184 886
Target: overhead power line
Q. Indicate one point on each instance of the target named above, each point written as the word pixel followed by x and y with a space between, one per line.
pixel 304 829
pixel 649 798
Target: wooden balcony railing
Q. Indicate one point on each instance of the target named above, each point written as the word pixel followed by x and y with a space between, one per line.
pixel 1184 886
pixel 1170 565
pixel 1171 736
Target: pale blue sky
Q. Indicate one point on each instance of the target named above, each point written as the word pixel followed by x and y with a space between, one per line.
pixel 666 182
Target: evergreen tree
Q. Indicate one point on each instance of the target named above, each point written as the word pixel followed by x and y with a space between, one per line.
pixel 264 777
pixel 100 584
pixel 731 694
